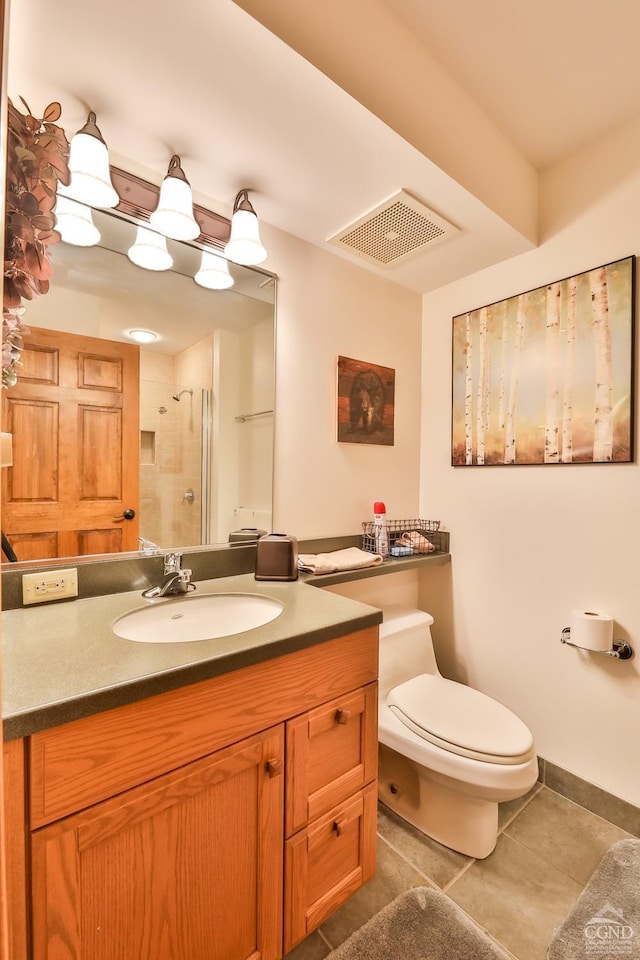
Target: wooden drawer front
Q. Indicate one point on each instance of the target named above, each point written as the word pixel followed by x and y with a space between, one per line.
pixel 88 760
pixel 332 752
pixel 327 862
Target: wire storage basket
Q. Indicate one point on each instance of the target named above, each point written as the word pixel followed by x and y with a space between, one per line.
pixel 406 537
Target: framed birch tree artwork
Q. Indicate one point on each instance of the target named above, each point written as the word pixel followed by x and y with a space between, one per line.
pixel 547 376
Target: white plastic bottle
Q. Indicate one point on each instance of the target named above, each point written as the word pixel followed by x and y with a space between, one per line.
pixel 380 533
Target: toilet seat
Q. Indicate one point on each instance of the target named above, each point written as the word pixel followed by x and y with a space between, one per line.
pixel 461 720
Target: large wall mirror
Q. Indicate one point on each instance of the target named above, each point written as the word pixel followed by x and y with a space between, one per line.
pixel 116 440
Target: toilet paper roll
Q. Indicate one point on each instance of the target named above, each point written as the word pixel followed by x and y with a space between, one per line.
pixel 592 630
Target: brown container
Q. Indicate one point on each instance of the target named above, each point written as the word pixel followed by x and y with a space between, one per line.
pixel 246 535
pixel 277 557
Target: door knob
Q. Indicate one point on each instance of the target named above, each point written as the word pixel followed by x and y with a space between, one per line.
pixel 127 514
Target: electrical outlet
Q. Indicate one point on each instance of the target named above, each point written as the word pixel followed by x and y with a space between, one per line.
pixel 52 585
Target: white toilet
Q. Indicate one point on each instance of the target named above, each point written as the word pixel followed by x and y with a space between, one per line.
pixel 448 753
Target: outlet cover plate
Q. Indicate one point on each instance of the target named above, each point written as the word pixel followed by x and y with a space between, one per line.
pixel 49 585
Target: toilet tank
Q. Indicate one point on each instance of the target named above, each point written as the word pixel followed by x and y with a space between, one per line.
pixel 406 647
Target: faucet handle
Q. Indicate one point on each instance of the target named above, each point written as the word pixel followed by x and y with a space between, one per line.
pixel 172 562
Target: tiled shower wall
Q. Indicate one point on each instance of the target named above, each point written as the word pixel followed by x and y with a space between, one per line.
pixel 171 444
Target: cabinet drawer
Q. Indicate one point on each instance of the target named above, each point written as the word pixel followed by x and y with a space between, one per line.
pixel 332 751
pixel 327 862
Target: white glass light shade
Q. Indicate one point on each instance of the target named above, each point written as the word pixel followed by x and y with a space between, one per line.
pixel 150 251
pixel 89 168
pixel 173 216
pixel 75 224
pixel 213 273
pixel 244 244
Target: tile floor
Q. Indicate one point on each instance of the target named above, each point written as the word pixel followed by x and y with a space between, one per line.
pixel 547 849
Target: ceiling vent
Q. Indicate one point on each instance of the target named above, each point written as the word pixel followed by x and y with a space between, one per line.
pixel 398 228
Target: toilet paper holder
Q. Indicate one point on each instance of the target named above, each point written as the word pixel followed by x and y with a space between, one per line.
pixel 621 650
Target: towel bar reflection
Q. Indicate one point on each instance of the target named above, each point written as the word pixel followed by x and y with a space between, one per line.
pixel 251 416
pixel 621 649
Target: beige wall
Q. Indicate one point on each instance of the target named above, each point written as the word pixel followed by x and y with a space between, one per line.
pixel 327 307
pixel 531 543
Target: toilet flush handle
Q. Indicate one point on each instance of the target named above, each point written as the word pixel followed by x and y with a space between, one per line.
pixel 342 716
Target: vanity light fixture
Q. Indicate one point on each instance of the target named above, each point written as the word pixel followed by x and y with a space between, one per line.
pixel 173 216
pixel 143 336
pixel 89 168
pixel 74 223
pixel 213 273
pixel 150 251
pixel 244 244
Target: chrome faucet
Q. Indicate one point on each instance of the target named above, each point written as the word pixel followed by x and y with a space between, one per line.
pixel 175 580
pixel 149 546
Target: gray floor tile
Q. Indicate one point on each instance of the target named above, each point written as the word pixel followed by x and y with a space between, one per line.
pixel 569 837
pixel 438 863
pixel 517 896
pixel 393 877
pixel 508 809
pixel 312 947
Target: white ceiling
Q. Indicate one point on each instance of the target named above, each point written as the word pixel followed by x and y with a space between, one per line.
pixel 205 80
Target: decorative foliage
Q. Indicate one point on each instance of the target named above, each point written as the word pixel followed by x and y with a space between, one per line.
pixel 37 158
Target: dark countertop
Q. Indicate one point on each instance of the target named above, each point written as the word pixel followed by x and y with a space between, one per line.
pixel 62 661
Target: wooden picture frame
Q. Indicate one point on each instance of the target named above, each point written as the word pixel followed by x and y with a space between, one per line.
pixel 366 402
pixel 547 376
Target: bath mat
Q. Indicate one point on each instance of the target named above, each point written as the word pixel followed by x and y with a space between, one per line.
pixel 605 922
pixel 422 924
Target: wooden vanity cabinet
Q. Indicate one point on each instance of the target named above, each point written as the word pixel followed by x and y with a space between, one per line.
pixel 162 829
pixel 186 866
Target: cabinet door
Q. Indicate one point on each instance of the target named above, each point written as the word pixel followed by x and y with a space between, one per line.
pixel 332 751
pixel 188 865
pixel 327 862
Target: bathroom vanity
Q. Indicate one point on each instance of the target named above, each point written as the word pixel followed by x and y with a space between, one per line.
pixel 202 800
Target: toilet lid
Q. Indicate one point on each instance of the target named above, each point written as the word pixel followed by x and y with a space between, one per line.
pixel 461 720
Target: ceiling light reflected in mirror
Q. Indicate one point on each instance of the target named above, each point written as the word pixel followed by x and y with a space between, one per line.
pixel 213 273
pixel 74 223
pixel 143 336
pixel 150 251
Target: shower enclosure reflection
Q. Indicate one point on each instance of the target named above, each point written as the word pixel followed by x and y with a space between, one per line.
pixel 174 461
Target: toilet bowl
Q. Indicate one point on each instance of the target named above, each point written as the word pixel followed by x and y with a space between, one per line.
pixel 448 754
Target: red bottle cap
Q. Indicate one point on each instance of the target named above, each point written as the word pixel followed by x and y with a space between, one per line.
pixel 379 507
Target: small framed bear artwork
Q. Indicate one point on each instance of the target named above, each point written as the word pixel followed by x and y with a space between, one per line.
pixel 366 402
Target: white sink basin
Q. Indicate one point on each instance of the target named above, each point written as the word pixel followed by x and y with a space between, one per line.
pixel 197 618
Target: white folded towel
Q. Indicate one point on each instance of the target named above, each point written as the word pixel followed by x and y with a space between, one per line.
pixel 352 558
